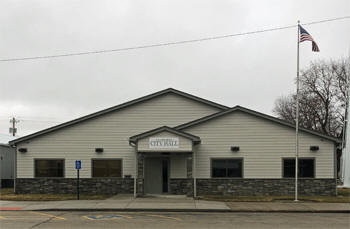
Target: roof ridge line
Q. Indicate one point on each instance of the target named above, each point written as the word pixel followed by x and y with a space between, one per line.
pixel 164 128
pixel 117 107
pixel 179 127
pixel 256 113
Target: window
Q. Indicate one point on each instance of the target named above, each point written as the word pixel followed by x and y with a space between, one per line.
pixel 107 168
pixel 49 167
pixel 226 168
pixel 306 167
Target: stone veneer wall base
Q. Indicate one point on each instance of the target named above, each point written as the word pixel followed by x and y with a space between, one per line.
pixel 179 186
pixel 261 187
pixel 69 185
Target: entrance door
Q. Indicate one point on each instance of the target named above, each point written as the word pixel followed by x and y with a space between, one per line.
pixel 156 175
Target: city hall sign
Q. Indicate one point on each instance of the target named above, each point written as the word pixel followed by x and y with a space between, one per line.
pixel 163 143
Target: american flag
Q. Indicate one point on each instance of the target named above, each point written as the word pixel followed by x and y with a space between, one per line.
pixel 305 36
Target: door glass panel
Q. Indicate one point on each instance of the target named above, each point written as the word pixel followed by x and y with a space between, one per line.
pixel 165 175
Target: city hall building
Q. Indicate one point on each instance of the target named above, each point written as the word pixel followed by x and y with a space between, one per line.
pixel 171 142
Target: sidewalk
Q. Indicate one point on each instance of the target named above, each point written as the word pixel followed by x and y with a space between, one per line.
pixel 128 203
pixel 289 207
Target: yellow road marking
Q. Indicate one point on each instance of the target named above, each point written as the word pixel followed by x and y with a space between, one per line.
pixel 85 217
pixel 45 214
pixel 2 217
pixel 166 217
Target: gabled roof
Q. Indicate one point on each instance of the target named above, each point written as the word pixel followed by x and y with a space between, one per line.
pixel 192 137
pixel 118 107
pixel 5 138
pixel 257 114
pixel 5 145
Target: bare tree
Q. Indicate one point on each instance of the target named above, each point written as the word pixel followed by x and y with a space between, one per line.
pixel 322 98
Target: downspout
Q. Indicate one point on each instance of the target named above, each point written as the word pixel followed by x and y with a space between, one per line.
pixel 194 174
pixel 136 165
pixel 15 172
pixel 14 167
pixel 335 163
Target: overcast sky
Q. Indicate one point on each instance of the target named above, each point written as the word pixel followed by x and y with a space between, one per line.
pixel 251 71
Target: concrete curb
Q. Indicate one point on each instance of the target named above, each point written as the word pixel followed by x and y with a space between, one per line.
pixel 185 210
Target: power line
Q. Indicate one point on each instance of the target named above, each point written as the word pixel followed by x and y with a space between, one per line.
pixel 169 43
pixel 326 20
pixel 32 120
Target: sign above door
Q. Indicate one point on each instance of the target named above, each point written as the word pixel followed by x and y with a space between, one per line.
pixel 164 143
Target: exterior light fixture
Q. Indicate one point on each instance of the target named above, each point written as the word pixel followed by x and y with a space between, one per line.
pixel 234 148
pixel 99 150
pixel 23 150
pixel 314 148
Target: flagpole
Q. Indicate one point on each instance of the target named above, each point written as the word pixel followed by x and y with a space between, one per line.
pixel 297 121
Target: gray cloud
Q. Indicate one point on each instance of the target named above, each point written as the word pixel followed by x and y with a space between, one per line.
pixel 251 70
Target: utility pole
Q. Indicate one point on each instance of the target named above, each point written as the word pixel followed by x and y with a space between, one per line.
pixel 13 129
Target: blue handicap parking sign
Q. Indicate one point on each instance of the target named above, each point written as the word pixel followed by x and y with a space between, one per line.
pixel 78 164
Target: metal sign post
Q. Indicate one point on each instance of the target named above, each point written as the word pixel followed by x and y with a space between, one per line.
pixel 78 167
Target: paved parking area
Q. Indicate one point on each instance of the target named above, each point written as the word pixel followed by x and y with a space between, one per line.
pixel 154 220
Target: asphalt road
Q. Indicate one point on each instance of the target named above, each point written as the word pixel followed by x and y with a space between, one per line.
pixel 154 220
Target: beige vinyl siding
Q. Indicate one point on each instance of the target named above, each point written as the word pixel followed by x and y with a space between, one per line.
pixel 262 143
pixel 178 166
pixel 185 145
pixel 111 132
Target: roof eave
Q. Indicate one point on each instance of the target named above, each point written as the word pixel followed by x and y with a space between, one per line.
pixel 191 137
pixel 255 113
pixel 114 108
